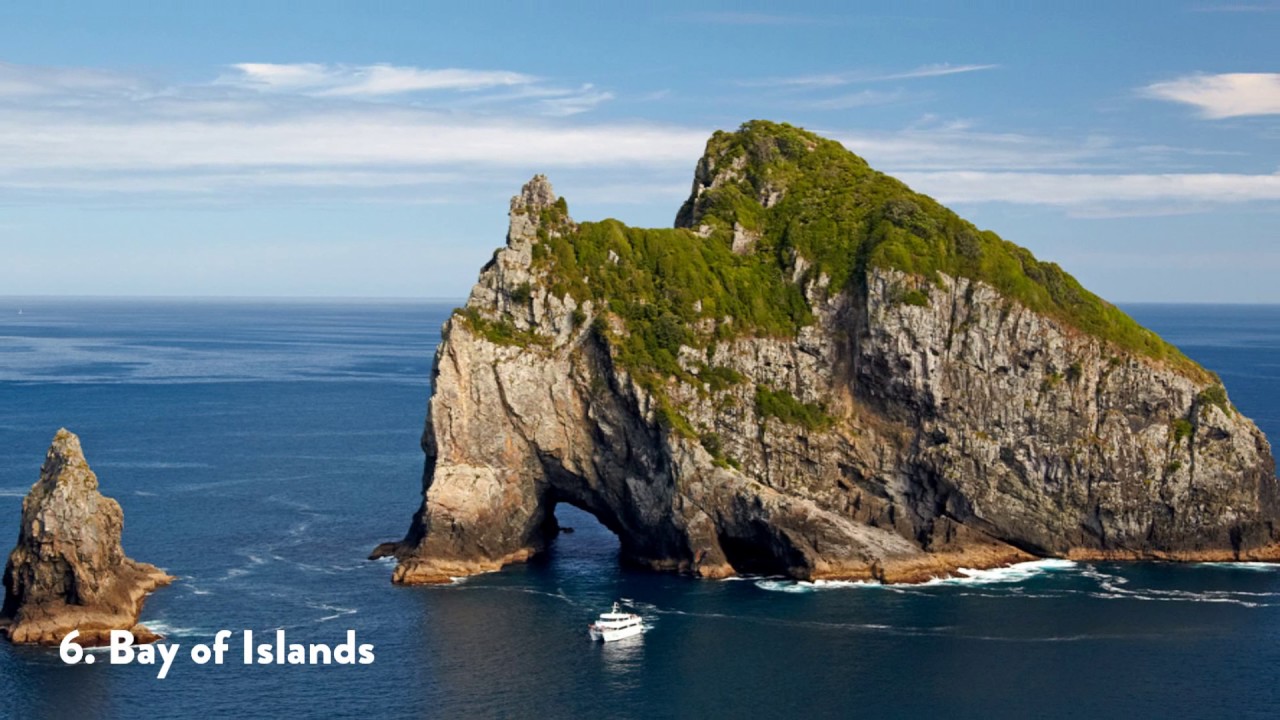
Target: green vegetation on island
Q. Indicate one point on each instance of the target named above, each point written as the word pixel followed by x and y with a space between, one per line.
pixel 799 196
pixel 844 217
pixel 783 406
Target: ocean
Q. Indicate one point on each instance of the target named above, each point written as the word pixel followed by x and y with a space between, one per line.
pixel 261 449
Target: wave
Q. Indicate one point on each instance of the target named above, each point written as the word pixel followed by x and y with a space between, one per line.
pixel 336 611
pixel 965 576
pixel 808 586
pixel 1242 565
pixel 1113 587
pixel 1007 574
pixel 164 629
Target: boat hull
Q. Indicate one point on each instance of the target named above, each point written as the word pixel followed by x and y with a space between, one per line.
pixel 611 634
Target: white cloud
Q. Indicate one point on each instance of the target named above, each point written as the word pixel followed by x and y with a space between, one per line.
pixel 1223 96
pixel 325 137
pixel 82 133
pixel 862 76
pixel 219 181
pixel 1078 189
pixel 366 80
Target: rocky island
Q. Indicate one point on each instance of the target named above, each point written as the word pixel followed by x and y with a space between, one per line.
pixel 818 373
pixel 68 570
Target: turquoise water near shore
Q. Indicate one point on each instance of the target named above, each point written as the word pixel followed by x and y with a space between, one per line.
pixel 261 449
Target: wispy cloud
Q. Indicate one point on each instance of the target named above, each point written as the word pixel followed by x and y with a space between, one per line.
pixel 1094 176
pixel 453 87
pixel 101 135
pixel 574 103
pixel 26 80
pixel 1085 189
pixel 942 145
pixel 1222 96
pixel 303 126
pixel 863 76
pixel 342 137
pixel 366 80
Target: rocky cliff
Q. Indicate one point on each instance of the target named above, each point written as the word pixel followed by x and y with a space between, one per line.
pixel 68 570
pixel 818 373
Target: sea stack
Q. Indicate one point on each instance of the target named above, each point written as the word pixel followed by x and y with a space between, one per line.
pixel 68 570
pixel 819 373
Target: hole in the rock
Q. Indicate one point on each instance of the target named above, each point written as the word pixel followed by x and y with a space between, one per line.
pixel 582 536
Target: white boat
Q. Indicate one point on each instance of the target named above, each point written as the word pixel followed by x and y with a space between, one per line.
pixel 615 625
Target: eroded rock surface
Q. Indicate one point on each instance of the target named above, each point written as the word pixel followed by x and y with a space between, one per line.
pixel 949 426
pixel 68 570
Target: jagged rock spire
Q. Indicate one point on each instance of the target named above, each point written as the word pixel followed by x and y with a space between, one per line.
pixel 535 195
pixel 526 210
pixel 68 570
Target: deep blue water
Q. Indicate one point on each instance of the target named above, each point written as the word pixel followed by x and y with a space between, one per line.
pixel 260 450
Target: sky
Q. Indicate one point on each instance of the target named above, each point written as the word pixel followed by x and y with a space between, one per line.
pixel 370 149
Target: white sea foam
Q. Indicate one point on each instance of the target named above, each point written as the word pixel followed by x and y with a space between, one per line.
pixel 1175 596
pixel 1007 574
pixel 786 586
pixel 1250 566
pixel 336 611
pixel 188 583
pixel 806 586
pixel 965 576
pixel 164 629
pixel 1110 587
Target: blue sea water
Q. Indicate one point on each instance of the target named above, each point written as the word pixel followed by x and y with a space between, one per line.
pixel 261 449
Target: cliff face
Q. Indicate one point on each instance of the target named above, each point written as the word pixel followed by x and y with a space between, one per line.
pixel 68 570
pixel 822 374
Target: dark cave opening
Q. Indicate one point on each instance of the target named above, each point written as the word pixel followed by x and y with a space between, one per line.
pixel 755 555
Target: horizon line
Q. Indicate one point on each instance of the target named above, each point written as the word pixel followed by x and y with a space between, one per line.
pixel 463 300
pixel 394 298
